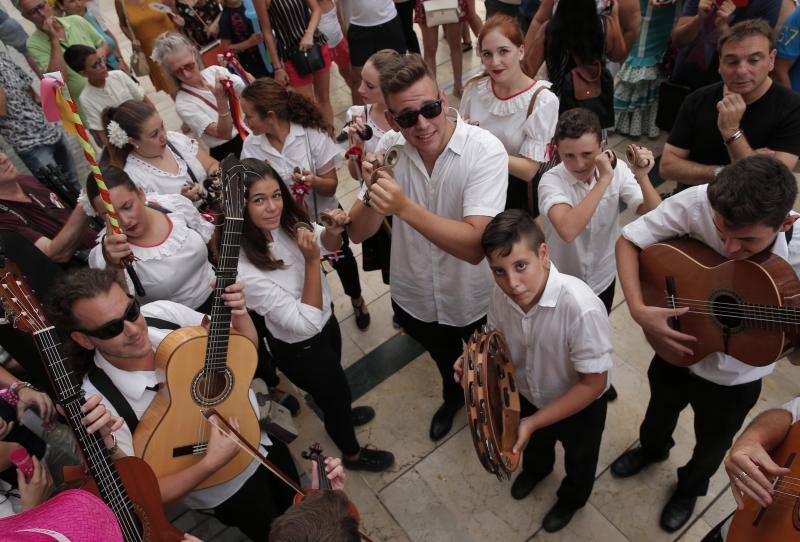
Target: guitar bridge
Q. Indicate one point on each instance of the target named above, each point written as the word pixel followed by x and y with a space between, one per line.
pixel 190 449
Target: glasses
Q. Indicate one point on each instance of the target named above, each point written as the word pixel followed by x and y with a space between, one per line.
pixel 430 110
pixel 38 7
pixel 97 64
pixel 111 329
pixel 186 67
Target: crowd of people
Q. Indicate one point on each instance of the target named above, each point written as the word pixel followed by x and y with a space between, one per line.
pixel 501 211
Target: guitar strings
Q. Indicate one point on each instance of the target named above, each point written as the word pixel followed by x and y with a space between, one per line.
pixel 739 308
pixel 751 315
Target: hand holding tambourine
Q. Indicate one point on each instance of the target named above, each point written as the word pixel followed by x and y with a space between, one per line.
pixel 640 159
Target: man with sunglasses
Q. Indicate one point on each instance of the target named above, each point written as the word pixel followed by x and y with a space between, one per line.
pixel 52 37
pixel 101 317
pixel 449 182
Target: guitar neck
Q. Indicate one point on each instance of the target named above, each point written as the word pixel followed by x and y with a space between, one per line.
pixel 786 319
pixel 220 327
pixel 70 396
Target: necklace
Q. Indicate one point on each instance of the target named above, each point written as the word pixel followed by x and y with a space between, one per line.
pixel 161 156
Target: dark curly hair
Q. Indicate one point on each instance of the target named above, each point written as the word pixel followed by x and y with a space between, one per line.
pixel 266 95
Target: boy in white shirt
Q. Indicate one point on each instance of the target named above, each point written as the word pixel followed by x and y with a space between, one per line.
pixel 579 201
pixel 103 89
pixel 560 342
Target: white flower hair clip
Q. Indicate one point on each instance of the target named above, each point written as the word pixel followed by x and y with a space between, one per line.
pixel 116 134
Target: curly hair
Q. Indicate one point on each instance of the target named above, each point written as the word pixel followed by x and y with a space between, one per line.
pixel 130 115
pixel 266 95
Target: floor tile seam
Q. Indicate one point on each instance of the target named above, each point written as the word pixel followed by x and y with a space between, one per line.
pixel 394 518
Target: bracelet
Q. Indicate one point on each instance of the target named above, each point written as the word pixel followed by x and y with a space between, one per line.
pixel 10 398
pixel 13 388
pixel 736 135
pixel 226 114
pixel 113 449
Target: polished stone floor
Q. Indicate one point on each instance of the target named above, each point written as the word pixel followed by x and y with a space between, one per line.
pixel 438 491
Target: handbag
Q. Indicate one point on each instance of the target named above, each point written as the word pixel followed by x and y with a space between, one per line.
pixel 138 63
pixel 438 12
pixel 590 86
pixel 616 48
pixel 306 62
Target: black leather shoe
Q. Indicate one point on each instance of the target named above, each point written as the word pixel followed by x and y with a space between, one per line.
pixel 442 421
pixel 523 485
pixel 632 462
pixel 362 317
pixel 677 512
pixel 611 394
pixel 370 460
pixel 362 415
pixel 558 517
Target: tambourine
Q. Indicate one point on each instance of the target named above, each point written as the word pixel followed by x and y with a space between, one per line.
pixel 612 157
pixel 492 400
pixel 302 226
pixel 390 159
pixel 634 157
pixel 327 221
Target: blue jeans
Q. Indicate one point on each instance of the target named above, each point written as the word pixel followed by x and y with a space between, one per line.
pixel 58 154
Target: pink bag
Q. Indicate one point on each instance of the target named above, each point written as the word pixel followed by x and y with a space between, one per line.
pixel 71 516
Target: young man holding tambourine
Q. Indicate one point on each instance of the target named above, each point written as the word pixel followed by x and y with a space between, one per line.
pixel 746 210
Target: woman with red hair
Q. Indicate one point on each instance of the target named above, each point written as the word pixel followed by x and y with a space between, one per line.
pixel 521 112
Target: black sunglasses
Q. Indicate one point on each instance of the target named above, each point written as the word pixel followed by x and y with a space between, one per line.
pixel 430 110
pixel 111 329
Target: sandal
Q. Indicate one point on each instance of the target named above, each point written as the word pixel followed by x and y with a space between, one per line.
pixel 362 317
pixel 466 46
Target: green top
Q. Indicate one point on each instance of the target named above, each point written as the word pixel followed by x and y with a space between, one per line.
pixel 77 30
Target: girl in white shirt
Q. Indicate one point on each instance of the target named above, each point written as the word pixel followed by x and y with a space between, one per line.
pixel 279 264
pixel 166 234
pixel 158 161
pixel 500 101
pixel 289 131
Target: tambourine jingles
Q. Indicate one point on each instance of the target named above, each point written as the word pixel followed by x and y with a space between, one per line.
pixel 390 159
pixel 492 400
pixel 634 158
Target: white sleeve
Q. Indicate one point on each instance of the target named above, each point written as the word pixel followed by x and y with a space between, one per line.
pixel 280 309
pixel 464 107
pixel 96 260
pixel 194 114
pixel 629 190
pixel 672 218
pixel 173 312
pixel 485 191
pixel 540 127
pixel 590 341
pixel 94 118
pixel 177 203
pixel 551 191
pixel 324 150
pixel 123 434
pixel 793 407
pixel 133 87
pixel 250 148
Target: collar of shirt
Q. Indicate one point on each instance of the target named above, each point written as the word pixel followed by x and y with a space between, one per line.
pixel 456 144
pixel 132 384
pixel 550 294
pixel 295 131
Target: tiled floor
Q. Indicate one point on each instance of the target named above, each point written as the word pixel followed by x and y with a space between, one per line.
pixel 438 491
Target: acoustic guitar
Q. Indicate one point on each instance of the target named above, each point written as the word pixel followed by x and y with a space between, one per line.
pixel 201 369
pixel 128 486
pixel 749 309
pixel 780 521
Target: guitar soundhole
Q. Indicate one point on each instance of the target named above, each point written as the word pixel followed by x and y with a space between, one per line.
pixel 212 387
pixel 725 309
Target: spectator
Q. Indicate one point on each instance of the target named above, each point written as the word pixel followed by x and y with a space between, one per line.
pixel 787 71
pixel 724 122
pixel 104 88
pixel 53 35
pixel 509 7
pixel 237 34
pixel 201 102
pixel 405 11
pixel 330 24
pixel 13 35
pixel 143 25
pixel 34 211
pixel 373 25
pixel 430 42
pixel 697 31
pixel 37 142
pixel 201 18
pixel 78 7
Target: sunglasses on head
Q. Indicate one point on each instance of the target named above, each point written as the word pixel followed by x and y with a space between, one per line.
pixel 408 118
pixel 111 329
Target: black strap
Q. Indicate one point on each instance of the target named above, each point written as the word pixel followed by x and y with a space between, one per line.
pixel 188 167
pixel 160 323
pixel 788 234
pixel 104 385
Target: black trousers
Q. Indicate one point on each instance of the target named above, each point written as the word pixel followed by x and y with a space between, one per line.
pixel 719 412
pixel 221 151
pixel 315 365
pixel 347 269
pixel 607 296
pixel 405 10
pixel 262 498
pixel 366 40
pixel 444 343
pixel 580 436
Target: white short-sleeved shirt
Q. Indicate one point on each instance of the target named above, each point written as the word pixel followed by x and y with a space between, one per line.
pixel 690 213
pixel 793 407
pixel 157 181
pixel 508 119
pixel 177 269
pixel 362 111
pixel 305 148
pixel 565 334
pixel 329 25
pixel 197 113
pixel 469 178
pixel 590 256
pixel 133 387
pixel 276 295
pixel 371 12
pixel 119 88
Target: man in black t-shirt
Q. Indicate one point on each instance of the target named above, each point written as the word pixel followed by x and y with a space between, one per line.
pixel 745 114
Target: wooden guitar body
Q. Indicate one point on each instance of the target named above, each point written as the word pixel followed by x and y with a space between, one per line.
pixel 745 308
pixel 172 435
pixel 140 481
pixel 779 522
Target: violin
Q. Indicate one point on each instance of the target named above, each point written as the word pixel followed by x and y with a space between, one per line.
pixel 314 454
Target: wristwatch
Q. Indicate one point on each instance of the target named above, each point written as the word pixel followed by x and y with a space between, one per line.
pixel 717 170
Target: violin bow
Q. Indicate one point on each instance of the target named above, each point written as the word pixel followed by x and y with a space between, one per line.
pixel 218 421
